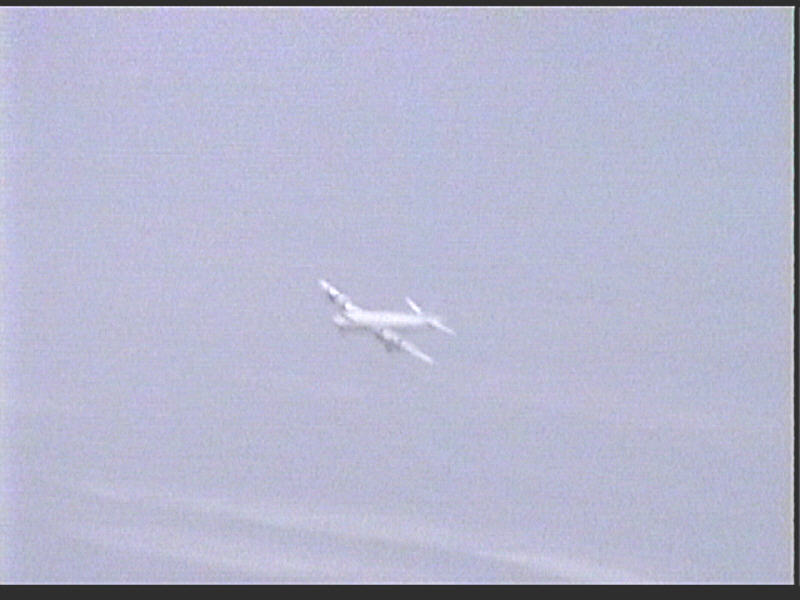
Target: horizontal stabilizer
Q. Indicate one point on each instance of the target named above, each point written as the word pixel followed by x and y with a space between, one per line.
pixel 437 324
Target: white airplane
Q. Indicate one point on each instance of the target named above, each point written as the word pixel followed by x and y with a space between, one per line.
pixel 383 323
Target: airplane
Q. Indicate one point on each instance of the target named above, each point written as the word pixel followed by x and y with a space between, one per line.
pixel 382 324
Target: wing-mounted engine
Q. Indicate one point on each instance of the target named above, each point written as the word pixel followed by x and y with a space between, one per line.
pixel 338 298
pixel 389 339
pixel 392 341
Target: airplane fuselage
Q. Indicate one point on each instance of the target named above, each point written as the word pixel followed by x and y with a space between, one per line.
pixel 373 319
pixel 383 324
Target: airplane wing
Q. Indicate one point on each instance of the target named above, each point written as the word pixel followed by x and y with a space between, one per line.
pixel 392 340
pixel 337 297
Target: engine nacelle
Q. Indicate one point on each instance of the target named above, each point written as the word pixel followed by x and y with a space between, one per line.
pixel 390 340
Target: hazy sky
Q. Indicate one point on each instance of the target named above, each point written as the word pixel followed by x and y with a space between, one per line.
pixel 599 202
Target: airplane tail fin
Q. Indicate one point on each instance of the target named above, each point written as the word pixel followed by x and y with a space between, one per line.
pixel 434 322
pixel 413 305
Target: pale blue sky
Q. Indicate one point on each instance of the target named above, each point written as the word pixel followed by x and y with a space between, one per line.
pixel 599 201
